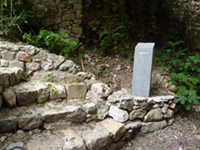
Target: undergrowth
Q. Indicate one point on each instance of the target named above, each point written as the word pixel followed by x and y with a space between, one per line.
pixel 54 42
pixel 185 72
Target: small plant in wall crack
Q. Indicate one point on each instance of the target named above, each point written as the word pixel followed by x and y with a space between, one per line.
pixel 52 89
pixel 95 117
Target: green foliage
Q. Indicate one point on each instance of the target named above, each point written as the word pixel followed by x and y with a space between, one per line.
pixel 95 117
pixel 185 73
pixel 116 40
pixel 53 89
pixel 13 17
pixel 54 42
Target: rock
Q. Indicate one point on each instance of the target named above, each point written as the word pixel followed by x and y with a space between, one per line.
pixel 117 129
pixel 118 114
pixel 169 114
pixel 43 92
pixel 30 122
pixel 78 6
pixel 145 105
pixel 72 141
pixel 90 108
pixel 3 138
pixel 102 111
pixel 16 63
pixel 170 121
pixel 165 108
pixel 47 65
pixel 34 66
pixel 66 65
pixel 70 113
pixel 15 145
pixel 83 75
pixel 1 89
pixel 115 97
pixel 8 55
pixel 1 101
pixel 57 91
pixel 18 73
pixel 154 115
pixel 159 105
pixel 4 63
pixel 31 50
pixel 153 126
pixel 23 56
pixel 101 89
pixel 126 104
pixel 89 83
pixel 5 77
pixel 96 140
pixel 129 134
pixel 9 98
pixel 26 94
pixel 8 124
pixel 133 125
pixel 76 90
pixel 172 106
pixel 138 113
pixel 167 98
pixel 11 76
pixel 116 146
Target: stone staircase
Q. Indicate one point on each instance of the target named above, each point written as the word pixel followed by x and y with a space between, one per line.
pixel 104 119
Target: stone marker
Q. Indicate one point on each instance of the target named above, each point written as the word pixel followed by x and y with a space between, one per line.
pixel 143 60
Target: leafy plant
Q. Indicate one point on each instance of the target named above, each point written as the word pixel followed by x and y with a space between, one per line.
pixel 54 42
pixel 185 73
pixel 115 40
pixel 13 17
pixel 53 89
pixel 95 117
pixel 48 77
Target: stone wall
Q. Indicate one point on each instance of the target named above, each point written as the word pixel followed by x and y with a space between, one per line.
pixel 60 15
pixel 79 18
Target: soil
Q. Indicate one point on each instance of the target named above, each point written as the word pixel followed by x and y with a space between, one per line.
pixel 117 72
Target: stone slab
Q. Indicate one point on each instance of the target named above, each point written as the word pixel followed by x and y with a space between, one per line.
pixel 142 70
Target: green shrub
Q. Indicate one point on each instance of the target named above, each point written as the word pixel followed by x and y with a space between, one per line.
pixel 185 73
pixel 54 42
pixel 13 16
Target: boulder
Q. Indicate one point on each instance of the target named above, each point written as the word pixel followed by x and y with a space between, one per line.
pixel 66 65
pixel 118 114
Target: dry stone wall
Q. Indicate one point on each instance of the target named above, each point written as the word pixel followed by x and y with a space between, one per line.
pixel 60 15
pixel 120 114
pixel 79 18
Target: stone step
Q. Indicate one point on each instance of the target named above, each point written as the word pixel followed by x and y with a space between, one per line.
pixel 107 134
pixel 9 77
pixel 34 116
pixel 38 91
